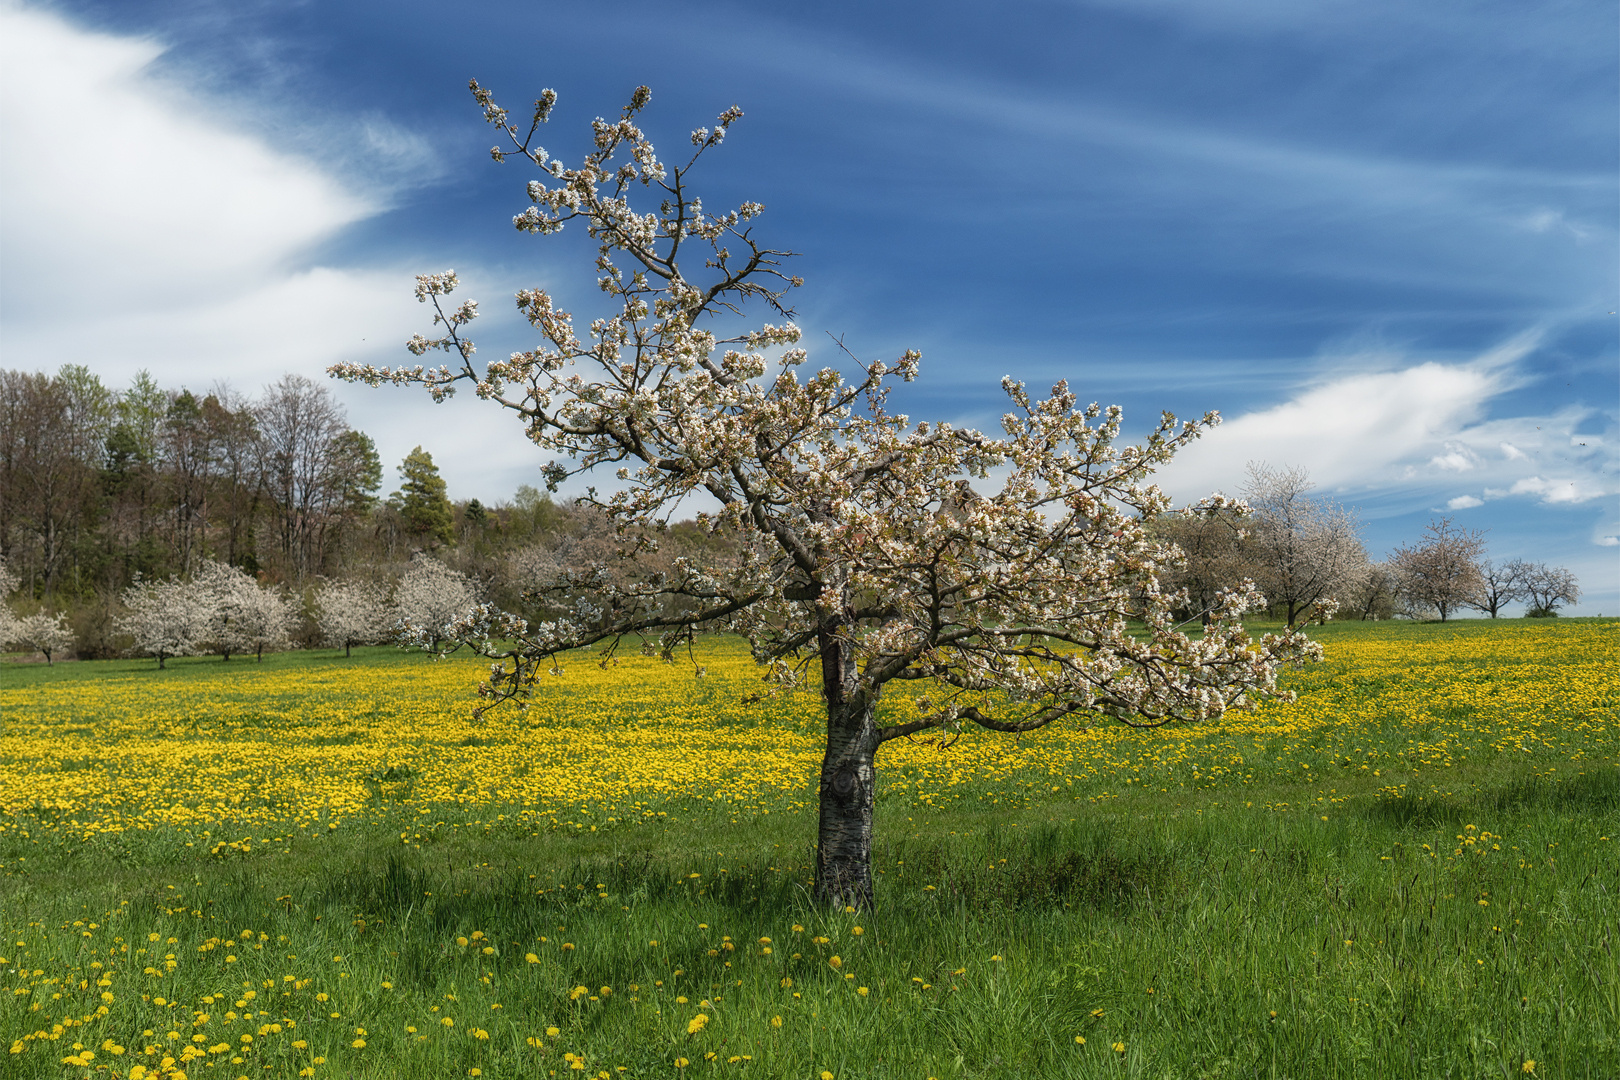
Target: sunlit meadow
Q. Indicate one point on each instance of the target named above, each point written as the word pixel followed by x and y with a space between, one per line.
pixel 325 867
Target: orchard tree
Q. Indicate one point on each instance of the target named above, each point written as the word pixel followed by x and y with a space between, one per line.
pixel 165 618
pixel 1302 551
pixel 1443 572
pixel 431 601
pixel 1547 587
pixel 8 620
pixel 860 553
pixel 243 616
pixel 43 632
pixel 351 613
pixel 1499 585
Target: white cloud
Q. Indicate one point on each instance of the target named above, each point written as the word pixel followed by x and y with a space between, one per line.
pixel 1558 490
pixel 1347 431
pixel 1457 458
pixel 123 194
pixel 142 229
pixel 1412 428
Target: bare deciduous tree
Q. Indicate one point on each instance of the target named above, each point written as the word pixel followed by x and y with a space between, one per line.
pixel 1442 573
pixel 863 558
pixel 300 427
pixel 1549 587
pixel 1499 586
pixel 1303 551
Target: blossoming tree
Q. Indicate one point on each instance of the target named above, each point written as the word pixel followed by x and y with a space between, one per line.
pixel 351 613
pixel 165 618
pixel 863 554
pixel 47 633
pixel 431 601
pixel 243 616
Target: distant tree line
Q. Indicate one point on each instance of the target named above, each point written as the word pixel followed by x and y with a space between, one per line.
pixel 1306 555
pixel 163 523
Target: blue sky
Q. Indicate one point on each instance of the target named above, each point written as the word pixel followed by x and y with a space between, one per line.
pixel 1379 237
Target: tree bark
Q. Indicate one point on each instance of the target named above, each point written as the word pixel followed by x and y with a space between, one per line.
pixel 848 785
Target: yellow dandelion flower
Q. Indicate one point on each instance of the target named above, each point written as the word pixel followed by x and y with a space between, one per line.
pixel 697 1023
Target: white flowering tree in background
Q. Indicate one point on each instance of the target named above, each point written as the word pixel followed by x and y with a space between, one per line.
pixel 350 613
pixel 432 601
pixel 8 620
pixel 165 618
pixel 1304 551
pixel 863 556
pixel 46 633
pixel 243 616
pixel 1441 573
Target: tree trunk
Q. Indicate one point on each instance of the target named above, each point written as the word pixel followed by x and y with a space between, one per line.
pixel 346 650
pixel 848 784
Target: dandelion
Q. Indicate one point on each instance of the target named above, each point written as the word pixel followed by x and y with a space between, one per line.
pixel 697 1023
pixel 1529 1066
pixel 1119 1048
pixel 863 991
pixel 681 1063
pixel 447 1022
pixel 776 1021
pixel 1080 1039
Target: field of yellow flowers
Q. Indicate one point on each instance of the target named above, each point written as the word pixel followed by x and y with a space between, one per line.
pixel 319 867
pixel 226 752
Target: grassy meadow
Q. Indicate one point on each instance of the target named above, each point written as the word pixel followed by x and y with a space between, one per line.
pixel 319 866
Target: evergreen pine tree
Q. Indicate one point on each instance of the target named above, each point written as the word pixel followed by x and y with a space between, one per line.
pixel 421 498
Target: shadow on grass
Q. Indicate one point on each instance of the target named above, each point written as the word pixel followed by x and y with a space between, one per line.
pixel 1594 792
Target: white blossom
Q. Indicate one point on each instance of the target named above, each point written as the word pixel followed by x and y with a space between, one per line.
pixel 243 616
pixel 42 631
pixel 351 613
pixel 430 600
pixel 165 618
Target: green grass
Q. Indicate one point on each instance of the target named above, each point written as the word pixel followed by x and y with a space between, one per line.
pixel 1207 935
